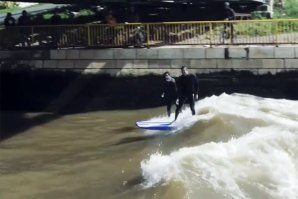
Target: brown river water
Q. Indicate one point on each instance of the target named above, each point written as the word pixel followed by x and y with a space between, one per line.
pixel 237 146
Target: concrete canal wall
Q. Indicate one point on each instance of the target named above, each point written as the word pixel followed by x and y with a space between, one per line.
pixel 142 61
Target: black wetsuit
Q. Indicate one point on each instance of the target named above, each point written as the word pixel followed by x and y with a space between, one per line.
pixel 9 21
pixel 170 94
pixel 188 87
pixel 229 13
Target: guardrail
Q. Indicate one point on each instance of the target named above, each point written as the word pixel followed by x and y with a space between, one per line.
pixel 282 31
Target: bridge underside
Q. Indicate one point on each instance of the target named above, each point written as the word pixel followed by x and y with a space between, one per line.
pixel 135 2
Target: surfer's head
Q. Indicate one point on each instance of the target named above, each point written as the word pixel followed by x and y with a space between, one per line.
pixel 167 76
pixel 184 70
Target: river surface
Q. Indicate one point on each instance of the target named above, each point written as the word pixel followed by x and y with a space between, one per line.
pixel 237 146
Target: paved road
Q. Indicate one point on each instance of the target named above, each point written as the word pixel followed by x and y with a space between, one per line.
pixel 32 10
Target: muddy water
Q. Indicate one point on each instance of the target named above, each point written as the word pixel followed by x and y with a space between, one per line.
pixel 92 155
pixel 238 146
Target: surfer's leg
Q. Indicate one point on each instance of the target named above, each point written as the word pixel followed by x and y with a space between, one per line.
pixel 192 104
pixel 179 106
pixel 169 105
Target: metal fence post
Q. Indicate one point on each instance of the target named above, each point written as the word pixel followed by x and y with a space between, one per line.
pixel 88 35
pixel 148 35
pixel 276 33
pixel 210 32
pixel 32 34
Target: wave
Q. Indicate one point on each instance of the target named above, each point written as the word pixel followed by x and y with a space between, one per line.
pixel 251 151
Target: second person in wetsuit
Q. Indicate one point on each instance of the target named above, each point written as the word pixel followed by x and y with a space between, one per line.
pixel 188 88
pixel 169 92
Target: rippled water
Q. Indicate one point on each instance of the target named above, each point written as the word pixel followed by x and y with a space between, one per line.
pixel 238 146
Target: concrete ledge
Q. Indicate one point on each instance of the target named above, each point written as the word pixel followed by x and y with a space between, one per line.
pixel 31 63
pixel 225 63
pixel 24 55
pixel 237 53
pixel 177 63
pixel 261 52
pixel 203 63
pixel 92 71
pixel 141 64
pixel 103 54
pixel 194 53
pixel 150 71
pixel 103 64
pixel 158 60
pixel 247 63
pixel 157 64
pixel 146 53
pixel 291 63
pixel 273 63
pixel 93 64
pixel 36 63
pixel 86 54
pixel 65 64
pixel 82 64
pixel 174 53
pixel 58 54
pixel 205 70
pixel 5 54
pixel 284 52
pixel 127 67
pixel 215 53
pixel 72 54
pixel 50 64
pixel 121 64
pixel 125 53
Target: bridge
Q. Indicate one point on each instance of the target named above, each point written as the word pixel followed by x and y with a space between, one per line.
pixel 152 2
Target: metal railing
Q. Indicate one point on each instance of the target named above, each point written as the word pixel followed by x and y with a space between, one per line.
pixel 282 31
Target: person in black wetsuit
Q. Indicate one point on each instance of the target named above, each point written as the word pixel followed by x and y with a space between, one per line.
pixel 9 20
pixel 229 14
pixel 170 91
pixel 188 90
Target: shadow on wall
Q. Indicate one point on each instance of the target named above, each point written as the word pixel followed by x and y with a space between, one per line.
pixel 54 93
pixel 64 92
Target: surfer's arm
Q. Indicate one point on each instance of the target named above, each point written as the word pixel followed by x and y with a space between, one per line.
pixel 163 90
pixel 175 90
pixel 196 87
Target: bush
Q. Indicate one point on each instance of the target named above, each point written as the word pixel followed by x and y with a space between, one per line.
pixel 7 4
pixel 266 29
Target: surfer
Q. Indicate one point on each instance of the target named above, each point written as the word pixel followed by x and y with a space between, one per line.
pixel 188 88
pixel 170 91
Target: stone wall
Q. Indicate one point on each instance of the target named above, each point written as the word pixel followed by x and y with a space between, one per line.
pixel 259 60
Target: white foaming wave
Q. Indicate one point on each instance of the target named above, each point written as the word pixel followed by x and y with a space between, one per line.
pixel 185 119
pixel 260 164
pixel 264 160
pixel 237 105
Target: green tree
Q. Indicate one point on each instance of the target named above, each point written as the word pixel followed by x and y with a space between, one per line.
pixel 289 10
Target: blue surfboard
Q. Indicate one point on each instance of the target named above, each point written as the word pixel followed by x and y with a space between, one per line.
pixel 160 126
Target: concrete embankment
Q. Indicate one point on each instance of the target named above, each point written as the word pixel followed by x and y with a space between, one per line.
pixel 87 80
pixel 137 62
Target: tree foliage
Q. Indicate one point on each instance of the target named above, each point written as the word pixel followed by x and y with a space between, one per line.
pixel 289 10
pixel 7 4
